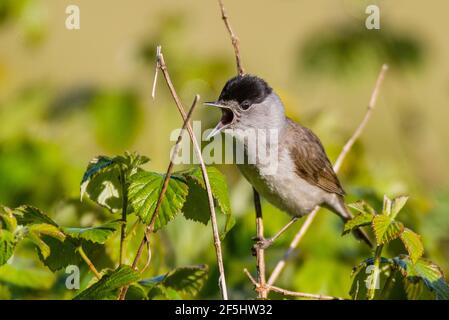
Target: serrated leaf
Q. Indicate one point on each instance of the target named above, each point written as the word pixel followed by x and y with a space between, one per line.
pixel 387 206
pixel 187 280
pixel 362 207
pixel 386 229
pixel 64 253
pixel 359 220
pixel 413 243
pixel 47 229
pixel 181 283
pixel 144 191
pixel 29 278
pixel 131 162
pixel 361 278
pixel 397 205
pixel 97 234
pixel 44 249
pixel 427 271
pixel 7 245
pixel 7 219
pixel 413 288
pixel 196 206
pixel 109 284
pixel 101 183
pixel 39 230
pixel 30 215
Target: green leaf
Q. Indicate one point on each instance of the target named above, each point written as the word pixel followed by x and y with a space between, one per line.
pixel 387 206
pixel 413 288
pixel 64 253
pixel 47 229
pixel 7 219
pixel 30 278
pixel 362 207
pixel 44 249
pixel 386 229
pixel 30 215
pixel 413 244
pixel 427 271
pixel 144 191
pixel 397 205
pixel 101 183
pixel 7 245
pixel 181 283
pixel 361 274
pixel 359 220
pixel 187 280
pixel 109 284
pixel 196 206
pixel 98 234
pixel 37 231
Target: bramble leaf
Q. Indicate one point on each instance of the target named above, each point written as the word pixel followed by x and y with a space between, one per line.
pixel 425 270
pixel 144 191
pixel 359 220
pixel 362 207
pixel 107 286
pixel 181 283
pixel 397 205
pixel 386 229
pixel 7 219
pixel 26 215
pixel 196 206
pixel 101 183
pixel 97 234
pixel 413 244
pixel 7 245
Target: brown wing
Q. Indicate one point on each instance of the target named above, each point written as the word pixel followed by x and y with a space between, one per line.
pixel 311 160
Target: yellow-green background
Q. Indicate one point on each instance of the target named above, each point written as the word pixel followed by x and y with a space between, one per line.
pixel 67 96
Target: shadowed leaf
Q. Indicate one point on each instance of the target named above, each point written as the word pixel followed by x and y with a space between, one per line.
pixel 107 286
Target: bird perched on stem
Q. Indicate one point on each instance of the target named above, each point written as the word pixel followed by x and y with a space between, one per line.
pixel 303 177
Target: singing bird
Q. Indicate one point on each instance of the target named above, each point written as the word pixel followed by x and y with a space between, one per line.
pixel 304 176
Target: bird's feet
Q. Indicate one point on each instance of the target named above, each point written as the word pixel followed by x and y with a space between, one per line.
pixel 261 244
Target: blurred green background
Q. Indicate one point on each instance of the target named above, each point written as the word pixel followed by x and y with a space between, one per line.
pixel 67 96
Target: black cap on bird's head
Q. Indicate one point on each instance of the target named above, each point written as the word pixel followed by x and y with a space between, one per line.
pixel 237 96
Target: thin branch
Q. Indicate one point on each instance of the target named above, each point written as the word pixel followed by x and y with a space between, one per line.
pixel 260 252
pixel 124 217
pixel 346 148
pixel 234 39
pixel 288 292
pixel 88 262
pixel 302 294
pixel 213 216
pixel 150 228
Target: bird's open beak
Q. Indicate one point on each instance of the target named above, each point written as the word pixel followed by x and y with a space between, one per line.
pixel 226 119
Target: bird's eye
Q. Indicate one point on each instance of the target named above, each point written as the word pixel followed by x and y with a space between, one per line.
pixel 245 105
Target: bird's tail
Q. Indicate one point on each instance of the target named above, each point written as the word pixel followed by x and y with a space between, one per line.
pixel 359 233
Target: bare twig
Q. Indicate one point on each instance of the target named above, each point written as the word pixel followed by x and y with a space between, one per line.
pixel 156 72
pixel 213 217
pixel 288 292
pixel 124 216
pixel 260 252
pixel 234 39
pixel 88 262
pixel 346 148
pixel 150 228
pixel 217 243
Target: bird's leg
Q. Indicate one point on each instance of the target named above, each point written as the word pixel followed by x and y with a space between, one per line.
pixel 265 243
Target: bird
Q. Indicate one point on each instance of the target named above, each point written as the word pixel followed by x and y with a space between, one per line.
pixel 304 177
